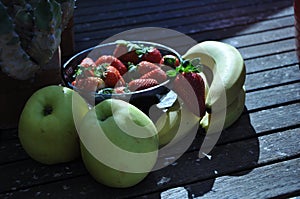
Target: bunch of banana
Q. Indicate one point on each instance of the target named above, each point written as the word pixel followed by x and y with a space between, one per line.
pixel 224 74
pixel 175 123
pixel 226 95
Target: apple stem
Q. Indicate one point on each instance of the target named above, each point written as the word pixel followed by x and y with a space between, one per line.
pixel 48 110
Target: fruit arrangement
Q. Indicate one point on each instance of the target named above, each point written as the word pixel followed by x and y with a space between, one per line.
pixel 118 142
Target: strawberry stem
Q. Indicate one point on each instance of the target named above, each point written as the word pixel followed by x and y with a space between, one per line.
pixel 186 66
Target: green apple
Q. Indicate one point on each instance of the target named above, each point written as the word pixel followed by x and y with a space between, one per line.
pixel 46 127
pixel 119 143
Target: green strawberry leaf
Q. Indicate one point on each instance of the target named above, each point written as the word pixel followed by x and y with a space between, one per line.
pixel 171 73
pixel 131 67
pixel 106 91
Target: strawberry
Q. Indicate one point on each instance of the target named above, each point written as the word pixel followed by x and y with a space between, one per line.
pixel 152 55
pixel 144 67
pixel 87 62
pixel 89 84
pixel 190 87
pixel 129 58
pixel 140 84
pixel 112 77
pixel 112 61
pixel 170 60
pixel 158 74
pixel 126 52
pixel 120 50
pixel 120 89
pixel 132 73
pixel 137 51
pixel 84 71
pixel 85 67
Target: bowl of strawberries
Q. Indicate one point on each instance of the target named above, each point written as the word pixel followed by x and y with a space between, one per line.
pixel 134 71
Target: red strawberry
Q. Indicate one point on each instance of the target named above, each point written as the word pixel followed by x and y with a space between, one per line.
pixel 170 60
pixel 140 84
pixel 86 66
pixel 191 89
pixel 112 77
pixel 124 55
pixel 157 74
pixel 112 61
pixel 145 67
pixel 89 84
pixel 152 55
pixel 87 62
pixel 120 50
pixel 120 89
pixel 129 57
pixel 137 51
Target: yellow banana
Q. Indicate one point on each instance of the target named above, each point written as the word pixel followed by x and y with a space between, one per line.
pixel 231 113
pixel 224 75
pixel 228 71
pixel 175 124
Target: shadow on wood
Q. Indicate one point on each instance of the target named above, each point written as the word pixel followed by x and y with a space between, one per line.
pixel 228 157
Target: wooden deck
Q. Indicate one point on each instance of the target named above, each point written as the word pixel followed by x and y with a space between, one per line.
pixel 258 157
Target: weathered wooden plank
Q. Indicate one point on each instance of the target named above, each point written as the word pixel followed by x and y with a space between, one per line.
pixel 225 160
pixel 271 62
pixel 262 37
pixel 243 20
pixel 271 78
pixel 268 48
pixel 118 11
pixel 28 172
pixel 276 96
pixel 114 5
pixel 262 122
pixel 271 24
pixel 275 118
pixel 11 150
pixel 285 174
pixel 178 14
pixel 7 134
pixel 200 25
pixel 227 32
pixel 113 11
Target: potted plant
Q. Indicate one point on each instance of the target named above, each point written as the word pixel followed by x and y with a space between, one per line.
pixel 30 39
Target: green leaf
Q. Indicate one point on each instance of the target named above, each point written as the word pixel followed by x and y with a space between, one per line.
pixel 106 91
pixel 172 73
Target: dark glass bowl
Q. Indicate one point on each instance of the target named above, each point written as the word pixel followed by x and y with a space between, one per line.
pixel 143 99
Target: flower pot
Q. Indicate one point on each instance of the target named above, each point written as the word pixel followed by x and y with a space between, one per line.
pixel 14 93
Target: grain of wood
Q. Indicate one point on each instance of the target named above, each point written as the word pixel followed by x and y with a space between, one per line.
pixel 272 78
pixel 242 156
pixel 275 61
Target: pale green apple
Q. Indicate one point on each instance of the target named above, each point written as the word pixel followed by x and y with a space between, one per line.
pixel 46 127
pixel 119 143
